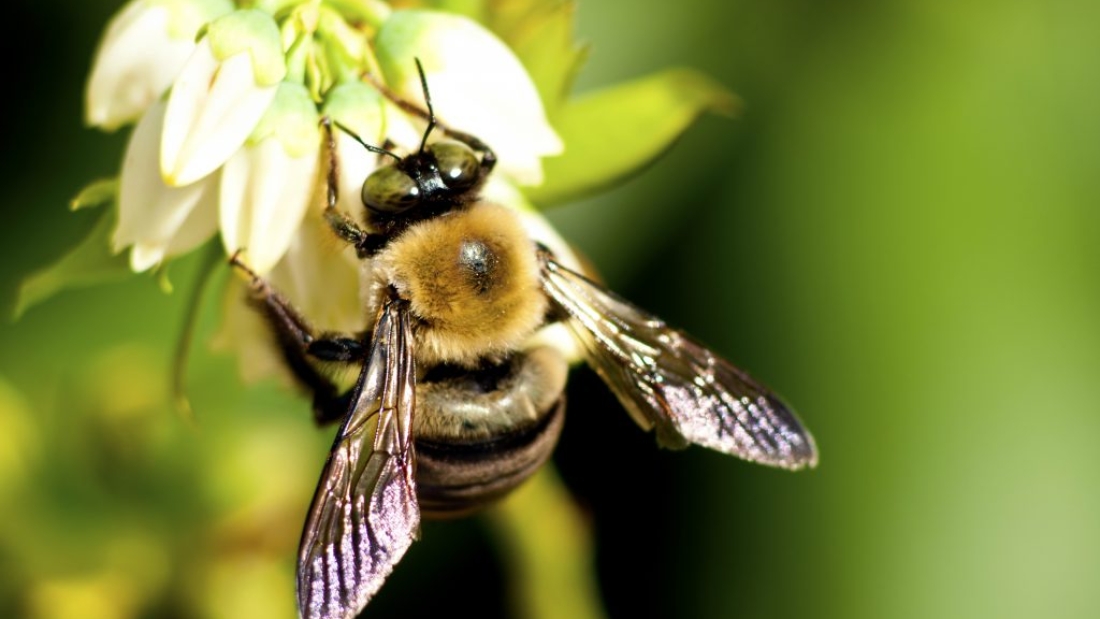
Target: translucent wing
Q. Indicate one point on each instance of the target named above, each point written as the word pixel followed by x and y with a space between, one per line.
pixel 669 382
pixel 365 513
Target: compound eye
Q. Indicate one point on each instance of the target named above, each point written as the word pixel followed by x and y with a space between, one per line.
pixel 458 164
pixel 391 191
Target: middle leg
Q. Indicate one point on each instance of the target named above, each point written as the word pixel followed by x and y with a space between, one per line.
pixel 302 347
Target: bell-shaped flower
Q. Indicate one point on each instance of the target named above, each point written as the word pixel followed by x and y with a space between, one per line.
pixel 477 85
pixel 157 220
pixel 221 93
pixel 267 185
pixel 141 52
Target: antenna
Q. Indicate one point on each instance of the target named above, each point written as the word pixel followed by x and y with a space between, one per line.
pixel 373 149
pixel 428 101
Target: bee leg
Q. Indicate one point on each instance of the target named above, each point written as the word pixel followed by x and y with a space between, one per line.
pixel 302 346
pixel 365 243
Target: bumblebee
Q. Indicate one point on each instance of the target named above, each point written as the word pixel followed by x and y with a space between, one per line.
pixel 453 407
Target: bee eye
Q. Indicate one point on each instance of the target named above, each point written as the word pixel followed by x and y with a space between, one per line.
pixel 389 190
pixel 458 164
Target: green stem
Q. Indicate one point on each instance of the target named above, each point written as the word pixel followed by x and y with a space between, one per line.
pixel 548 549
pixel 212 257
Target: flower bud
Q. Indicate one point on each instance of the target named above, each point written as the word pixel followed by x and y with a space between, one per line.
pixel 222 92
pixel 157 220
pixel 267 185
pixel 142 51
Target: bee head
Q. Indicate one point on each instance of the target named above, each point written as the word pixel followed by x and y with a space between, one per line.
pixel 440 175
pixel 433 180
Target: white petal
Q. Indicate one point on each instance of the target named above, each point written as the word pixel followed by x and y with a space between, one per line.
pixel 477 86
pixel 201 223
pixel 213 108
pixel 135 63
pixel 506 117
pixel 151 214
pixel 263 196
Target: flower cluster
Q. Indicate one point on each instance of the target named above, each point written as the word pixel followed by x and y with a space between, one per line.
pixel 226 98
pixel 228 101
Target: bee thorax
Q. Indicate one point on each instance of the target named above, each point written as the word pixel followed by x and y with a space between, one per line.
pixel 472 281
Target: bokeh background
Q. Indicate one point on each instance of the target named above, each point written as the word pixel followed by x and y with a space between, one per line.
pixel 899 233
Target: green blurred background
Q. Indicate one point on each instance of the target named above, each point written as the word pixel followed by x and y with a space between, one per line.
pixel 899 233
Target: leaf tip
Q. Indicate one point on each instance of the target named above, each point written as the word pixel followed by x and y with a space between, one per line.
pixel 96 193
pixel 36 288
pixel 709 94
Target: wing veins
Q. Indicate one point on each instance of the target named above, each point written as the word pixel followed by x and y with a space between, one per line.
pixel 364 514
pixel 669 381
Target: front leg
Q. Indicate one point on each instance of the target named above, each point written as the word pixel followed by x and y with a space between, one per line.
pixel 302 346
pixel 365 243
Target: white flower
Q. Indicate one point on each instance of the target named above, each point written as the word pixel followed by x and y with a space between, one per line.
pixel 476 83
pixel 266 186
pixel 140 54
pixel 158 220
pixel 222 92
pixel 236 146
pixel 170 202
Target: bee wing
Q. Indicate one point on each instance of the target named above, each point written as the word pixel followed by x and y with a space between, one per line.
pixel 365 513
pixel 669 382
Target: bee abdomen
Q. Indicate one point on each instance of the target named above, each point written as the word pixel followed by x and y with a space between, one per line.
pixel 457 478
pixel 480 433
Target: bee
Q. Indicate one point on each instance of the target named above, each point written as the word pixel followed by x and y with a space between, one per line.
pixel 453 406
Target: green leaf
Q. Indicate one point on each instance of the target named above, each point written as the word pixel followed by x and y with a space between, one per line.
pixel 100 192
pixel 616 132
pixel 541 33
pixel 90 262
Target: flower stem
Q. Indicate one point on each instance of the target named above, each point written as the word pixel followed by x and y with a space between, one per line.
pixel 547 545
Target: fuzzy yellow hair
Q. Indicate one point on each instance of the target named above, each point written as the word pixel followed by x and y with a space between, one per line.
pixel 472 281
